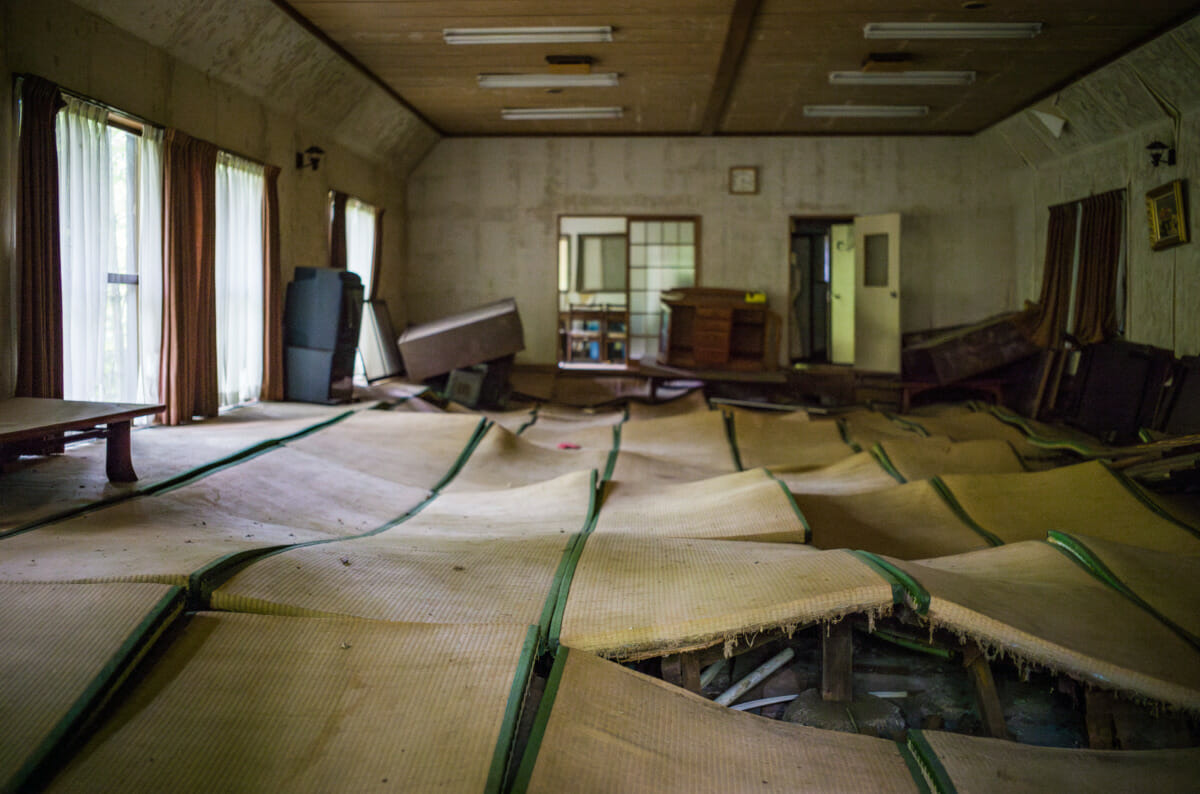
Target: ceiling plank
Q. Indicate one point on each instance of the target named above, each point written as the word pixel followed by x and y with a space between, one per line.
pixel 740 24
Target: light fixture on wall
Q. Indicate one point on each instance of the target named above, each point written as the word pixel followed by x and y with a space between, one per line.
pixel 543 35
pixel 865 111
pixel 951 30
pixel 1161 154
pixel 310 157
pixel 901 78
pixel 598 80
pixel 540 114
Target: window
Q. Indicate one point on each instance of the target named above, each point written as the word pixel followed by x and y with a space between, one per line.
pixel 110 219
pixel 612 271
pixel 360 256
pixel 239 279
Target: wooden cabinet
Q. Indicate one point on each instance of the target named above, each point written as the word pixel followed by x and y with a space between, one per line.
pixel 718 329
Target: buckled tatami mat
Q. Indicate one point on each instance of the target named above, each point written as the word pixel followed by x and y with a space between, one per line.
pixel 750 505
pixel 860 472
pixel 66 649
pixel 683 448
pixel 909 521
pixel 488 557
pixel 791 440
pixel 1086 498
pixel 505 460
pixel 603 728
pixel 327 705
pixel 970 764
pixel 922 458
pixel 635 597
pixel 1032 602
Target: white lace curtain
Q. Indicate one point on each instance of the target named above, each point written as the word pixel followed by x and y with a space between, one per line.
pixel 239 279
pixel 110 223
pixel 360 240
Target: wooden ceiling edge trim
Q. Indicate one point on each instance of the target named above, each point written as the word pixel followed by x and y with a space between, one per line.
pixel 345 55
pixel 740 24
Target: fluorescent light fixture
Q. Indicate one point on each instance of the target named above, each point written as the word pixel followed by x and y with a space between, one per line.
pixel 548 80
pixel 547 35
pixel 865 111
pixel 901 78
pixel 951 30
pixel 541 114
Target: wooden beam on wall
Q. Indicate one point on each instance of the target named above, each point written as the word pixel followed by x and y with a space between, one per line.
pixel 740 24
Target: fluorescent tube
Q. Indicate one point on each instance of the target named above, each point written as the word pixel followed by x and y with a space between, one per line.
pixel 539 114
pixel 866 111
pixel 951 30
pixel 901 78
pixel 548 80
pixel 547 35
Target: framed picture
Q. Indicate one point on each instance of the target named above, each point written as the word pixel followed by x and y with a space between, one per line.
pixel 743 179
pixel 1167 215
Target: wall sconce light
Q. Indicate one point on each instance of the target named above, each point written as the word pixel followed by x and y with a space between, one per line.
pixel 309 158
pixel 1161 154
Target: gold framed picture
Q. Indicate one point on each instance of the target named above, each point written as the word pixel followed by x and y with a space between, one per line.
pixel 1167 215
pixel 743 179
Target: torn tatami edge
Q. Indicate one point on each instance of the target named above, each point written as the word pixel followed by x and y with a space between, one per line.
pixel 176 480
pixel 43 761
pixel 202 582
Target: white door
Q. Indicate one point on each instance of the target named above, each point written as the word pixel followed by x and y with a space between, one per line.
pixel 841 293
pixel 877 293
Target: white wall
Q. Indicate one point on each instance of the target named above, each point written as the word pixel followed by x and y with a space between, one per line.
pixel 482 215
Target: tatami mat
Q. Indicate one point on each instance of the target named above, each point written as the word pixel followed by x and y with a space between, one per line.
pixel 960 422
pixel 609 729
pixel 790 440
pixel 860 472
pixel 410 448
pixel 39 488
pixel 169 537
pixel 1031 602
pixel 994 766
pixel 749 505
pixel 505 460
pixel 1085 498
pixel 681 448
pixel 66 649
pixel 922 458
pixel 909 521
pixel 466 558
pixel 634 597
pixel 258 703
pixel 866 428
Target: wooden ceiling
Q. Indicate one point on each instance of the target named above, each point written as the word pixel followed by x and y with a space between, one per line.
pixel 730 67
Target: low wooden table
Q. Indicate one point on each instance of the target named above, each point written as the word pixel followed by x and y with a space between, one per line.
pixel 32 423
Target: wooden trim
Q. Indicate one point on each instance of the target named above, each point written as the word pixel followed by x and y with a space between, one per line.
pixel 741 21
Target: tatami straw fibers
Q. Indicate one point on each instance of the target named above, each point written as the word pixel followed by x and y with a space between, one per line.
pixel 635 597
pixel 790 440
pixel 604 728
pixel 250 703
pixel 682 448
pixel 66 649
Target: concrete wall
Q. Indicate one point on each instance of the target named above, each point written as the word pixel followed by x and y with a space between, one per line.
pixel 482 215
pixel 82 52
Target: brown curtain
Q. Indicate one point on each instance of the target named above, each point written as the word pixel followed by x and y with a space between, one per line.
pixel 1099 256
pixel 188 377
pixel 376 258
pixel 40 332
pixel 272 385
pixel 337 232
pixel 1048 319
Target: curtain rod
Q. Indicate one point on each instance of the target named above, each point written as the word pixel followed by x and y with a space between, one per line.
pixel 134 116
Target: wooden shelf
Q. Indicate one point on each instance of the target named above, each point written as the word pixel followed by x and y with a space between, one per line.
pixel 717 329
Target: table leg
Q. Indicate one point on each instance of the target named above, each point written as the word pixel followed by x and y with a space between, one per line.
pixel 119 462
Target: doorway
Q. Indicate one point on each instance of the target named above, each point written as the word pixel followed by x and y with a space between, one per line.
pixel 821 291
